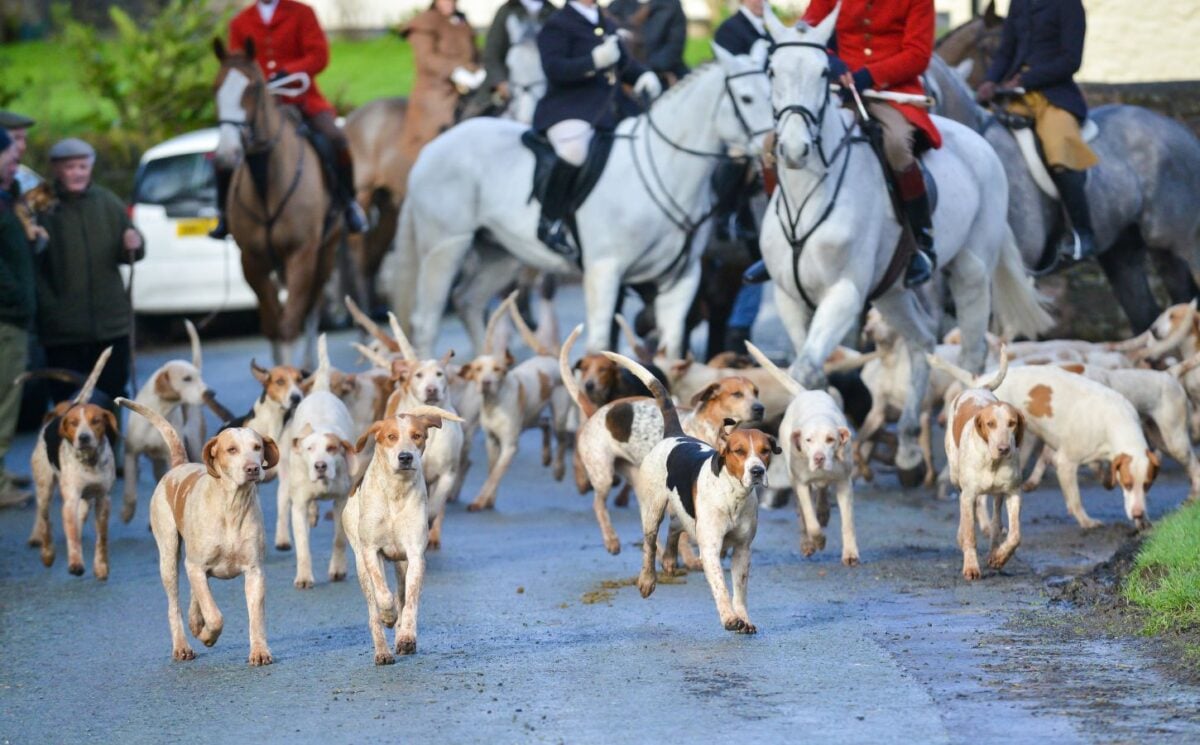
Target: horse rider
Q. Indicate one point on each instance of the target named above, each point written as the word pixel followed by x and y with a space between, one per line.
pixel 886 45
pixel 288 40
pixel 585 62
pixel 1041 49
pixel 497 43
pixel 656 33
pixel 446 59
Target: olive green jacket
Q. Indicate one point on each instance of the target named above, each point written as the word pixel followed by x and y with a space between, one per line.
pixel 81 297
pixel 17 300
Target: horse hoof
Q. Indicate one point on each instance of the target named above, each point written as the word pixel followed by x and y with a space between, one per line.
pixel 910 478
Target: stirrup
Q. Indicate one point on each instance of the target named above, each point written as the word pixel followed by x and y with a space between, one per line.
pixel 556 237
pixel 1079 248
pixel 920 269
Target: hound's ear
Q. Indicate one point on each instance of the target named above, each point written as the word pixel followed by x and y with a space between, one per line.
pixel 578 365
pixel 1020 435
pixel 110 430
pixel 707 393
pixel 775 449
pixel 362 441
pixel 1117 470
pixel 347 447
pixel 509 360
pixel 218 48
pixel 727 427
pixel 680 367
pixel 260 374
pixel 210 457
pixel 717 462
pixel 270 453
pixel 467 371
pixel 248 49
pixel 843 451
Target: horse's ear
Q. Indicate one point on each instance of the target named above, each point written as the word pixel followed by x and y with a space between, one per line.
pixel 775 28
pixel 965 68
pixel 990 16
pixel 723 56
pixel 218 48
pixel 823 31
pixel 248 49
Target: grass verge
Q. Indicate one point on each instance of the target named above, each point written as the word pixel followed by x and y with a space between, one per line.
pixel 1165 577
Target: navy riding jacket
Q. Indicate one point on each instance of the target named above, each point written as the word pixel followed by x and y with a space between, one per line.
pixel 737 34
pixel 575 89
pixel 1042 43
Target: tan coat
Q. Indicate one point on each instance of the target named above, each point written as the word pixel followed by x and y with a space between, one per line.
pixel 440 44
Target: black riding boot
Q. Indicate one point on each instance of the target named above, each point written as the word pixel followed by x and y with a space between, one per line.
pixel 356 219
pixel 223 177
pixel 552 226
pixel 1072 188
pixel 731 217
pixel 923 262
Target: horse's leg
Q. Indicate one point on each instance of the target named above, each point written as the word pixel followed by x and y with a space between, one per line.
pixel 1175 275
pixel 835 317
pixel 494 272
pixel 306 273
pixel 795 316
pixel 436 272
pixel 671 308
pixel 971 288
pixel 257 271
pixel 601 286
pixel 1124 263
pixel 902 310
pixel 311 326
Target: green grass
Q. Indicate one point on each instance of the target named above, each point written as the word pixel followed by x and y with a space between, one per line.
pixel 1165 579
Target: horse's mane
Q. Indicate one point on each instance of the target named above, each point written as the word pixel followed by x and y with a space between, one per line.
pixel 687 81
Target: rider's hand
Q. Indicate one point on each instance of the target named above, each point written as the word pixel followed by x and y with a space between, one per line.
pixel 278 74
pixel 466 80
pixel 607 54
pixel 132 240
pixel 985 92
pixel 649 85
pixel 503 92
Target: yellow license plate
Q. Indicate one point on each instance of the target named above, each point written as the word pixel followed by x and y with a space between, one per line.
pixel 195 227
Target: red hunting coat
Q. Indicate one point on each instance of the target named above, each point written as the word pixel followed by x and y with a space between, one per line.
pixel 893 40
pixel 293 42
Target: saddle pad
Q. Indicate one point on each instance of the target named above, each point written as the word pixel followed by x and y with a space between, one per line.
pixel 544 158
pixel 1027 141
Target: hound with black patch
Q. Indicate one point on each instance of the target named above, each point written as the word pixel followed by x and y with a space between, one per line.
pixel 710 492
pixel 75 450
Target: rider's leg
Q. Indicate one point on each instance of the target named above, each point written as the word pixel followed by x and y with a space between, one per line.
pixel 223 177
pixel 343 166
pixel 731 188
pixel 1068 157
pixel 570 139
pixel 898 140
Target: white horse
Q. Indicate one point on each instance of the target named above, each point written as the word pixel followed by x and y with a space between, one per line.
pixel 641 223
pixel 831 225
pixel 526 78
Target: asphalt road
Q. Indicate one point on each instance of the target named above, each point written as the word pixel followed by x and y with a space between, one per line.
pixel 528 631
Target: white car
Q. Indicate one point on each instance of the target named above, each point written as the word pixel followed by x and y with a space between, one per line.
pixel 174 205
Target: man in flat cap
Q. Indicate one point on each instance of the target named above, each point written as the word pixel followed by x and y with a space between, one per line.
pixel 17 126
pixel 82 306
pixel 17 305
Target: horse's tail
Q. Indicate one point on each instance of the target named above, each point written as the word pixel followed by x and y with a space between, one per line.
pixel 568 377
pixel 406 285
pixel 671 425
pixel 790 384
pixel 1018 307
pixel 169 435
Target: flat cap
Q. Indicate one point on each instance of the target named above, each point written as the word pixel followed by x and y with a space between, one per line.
pixel 13 120
pixel 72 147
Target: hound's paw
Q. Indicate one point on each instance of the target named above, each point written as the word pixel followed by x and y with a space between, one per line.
pixel 734 624
pixel 996 561
pixel 75 568
pixel 560 471
pixel 384 658
pixel 809 545
pixel 1029 486
pixel 209 634
pixel 406 645
pixel 547 458
pixel 646 583
pixel 260 657
pixel 35 541
pixel 1090 524
pixel 47 556
pixel 612 544
pixel 479 505
pixel 435 544
pixel 101 572
pixel 747 627
pixel 337 576
pixel 971 573
pixel 303 583
pixel 283 546
pixel 127 513
pixel 850 560
pixel 183 654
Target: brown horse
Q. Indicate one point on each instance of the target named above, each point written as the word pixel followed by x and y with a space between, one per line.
pixel 977 40
pixel 279 209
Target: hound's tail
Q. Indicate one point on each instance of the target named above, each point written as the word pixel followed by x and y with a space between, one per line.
pixel 547 320
pixel 790 384
pixel 321 378
pixel 848 362
pixel 407 350
pixel 489 332
pixel 1180 369
pixel 997 379
pixel 375 358
pixel 194 336
pixel 174 443
pixel 434 411
pixel 60 374
pixel 89 385
pixel 671 424
pixel 1017 306
pixel 568 376
pixel 952 370
pixel 1171 341
pixel 372 328
pixel 631 338
pixel 527 335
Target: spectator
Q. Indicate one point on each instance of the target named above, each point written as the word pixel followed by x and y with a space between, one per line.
pixel 17 305
pixel 82 306
pixel 18 126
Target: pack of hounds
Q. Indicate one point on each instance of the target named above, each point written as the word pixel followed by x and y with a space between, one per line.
pixel 388 447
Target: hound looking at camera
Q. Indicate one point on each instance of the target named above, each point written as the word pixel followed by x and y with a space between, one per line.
pixel 387 518
pixel 816 448
pixel 210 510
pixel 710 492
pixel 75 449
pixel 983 453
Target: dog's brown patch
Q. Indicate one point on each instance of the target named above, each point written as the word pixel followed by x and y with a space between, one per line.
pixel 1073 367
pixel 545 386
pixel 967 408
pixel 1040 403
pixel 177 491
pixel 619 421
pixel 1121 472
pixel 163 388
pixel 602 372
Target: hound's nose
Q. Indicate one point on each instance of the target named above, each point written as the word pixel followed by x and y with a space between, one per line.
pixel 589 386
pixel 758 410
pixel 1003 449
pixel 321 467
pixel 253 470
pixel 1139 513
pixel 295 398
pixel 757 472
pixel 431 391
pixel 85 438
pixel 406 460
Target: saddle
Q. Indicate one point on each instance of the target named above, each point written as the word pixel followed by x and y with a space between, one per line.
pixel 544 158
pixel 1031 149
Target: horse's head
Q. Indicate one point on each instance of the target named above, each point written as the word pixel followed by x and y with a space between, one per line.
pixel 526 80
pixel 744 115
pixel 800 79
pixel 976 40
pixel 238 88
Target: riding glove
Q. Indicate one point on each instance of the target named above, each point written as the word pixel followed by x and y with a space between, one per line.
pixel 607 54
pixel 649 85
